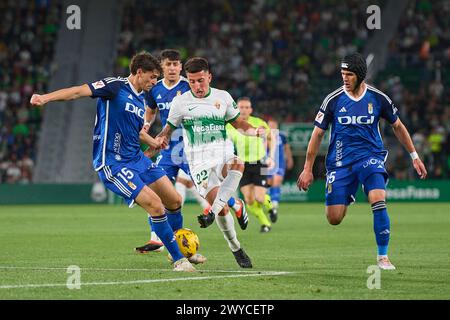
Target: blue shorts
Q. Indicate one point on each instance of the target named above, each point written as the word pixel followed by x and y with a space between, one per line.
pixel 171 161
pixel 279 171
pixel 128 179
pixel 342 183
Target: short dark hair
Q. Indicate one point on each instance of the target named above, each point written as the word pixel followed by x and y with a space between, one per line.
pixel 170 54
pixel 145 61
pixel 244 99
pixel 196 64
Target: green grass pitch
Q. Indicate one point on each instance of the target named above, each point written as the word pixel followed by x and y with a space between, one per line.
pixel 302 258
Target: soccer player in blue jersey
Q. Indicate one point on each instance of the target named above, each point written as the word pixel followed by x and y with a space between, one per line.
pixel 283 160
pixel 117 157
pixel 171 159
pixel 356 154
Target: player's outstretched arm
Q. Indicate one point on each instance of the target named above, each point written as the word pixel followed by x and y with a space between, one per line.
pixel 403 136
pixel 247 129
pixel 306 176
pixel 62 94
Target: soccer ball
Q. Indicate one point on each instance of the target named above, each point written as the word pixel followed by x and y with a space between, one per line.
pixel 187 241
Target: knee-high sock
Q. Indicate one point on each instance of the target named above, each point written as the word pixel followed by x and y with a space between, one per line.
pixel 153 235
pixel 181 189
pixel 226 225
pixel 226 190
pixel 175 218
pixel 256 209
pixel 275 195
pixel 165 233
pixel 201 201
pixel 381 226
pixel 267 204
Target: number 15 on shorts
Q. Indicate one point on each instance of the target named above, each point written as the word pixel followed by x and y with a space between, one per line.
pixel 330 179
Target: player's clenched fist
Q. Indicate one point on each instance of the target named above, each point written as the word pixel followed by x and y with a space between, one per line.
pixel 304 180
pixel 162 141
pixel 37 100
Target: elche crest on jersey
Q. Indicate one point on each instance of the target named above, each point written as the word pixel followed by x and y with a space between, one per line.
pixel 370 108
pixel 217 105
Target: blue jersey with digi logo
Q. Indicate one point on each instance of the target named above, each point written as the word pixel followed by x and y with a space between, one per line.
pixel 161 96
pixel 355 133
pixel 120 117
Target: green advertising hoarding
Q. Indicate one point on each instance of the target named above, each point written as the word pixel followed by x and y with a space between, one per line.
pixel 398 191
pixel 298 135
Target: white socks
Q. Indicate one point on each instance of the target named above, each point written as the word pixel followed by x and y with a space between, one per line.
pixel 226 225
pixel 226 190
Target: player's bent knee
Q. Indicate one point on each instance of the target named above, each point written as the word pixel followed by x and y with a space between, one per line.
pixel 249 200
pixel 224 211
pixel 376 195
pixel 173 200
pixel 177 202
pixel 334 220
pixel 151 203
pixel 260 199
pixel 335 215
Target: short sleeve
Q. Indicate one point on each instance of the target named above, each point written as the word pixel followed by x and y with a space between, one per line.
pixel 175 113
pixel 151 103
pixel 325 114
pixel 106 88
pixel 232 112
pixel 388 109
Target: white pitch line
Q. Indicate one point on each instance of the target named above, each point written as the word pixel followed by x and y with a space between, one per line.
pixel 47 285
pixel 125 269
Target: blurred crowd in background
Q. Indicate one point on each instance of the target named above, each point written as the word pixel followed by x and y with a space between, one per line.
pixel 283 54
pixel 28 31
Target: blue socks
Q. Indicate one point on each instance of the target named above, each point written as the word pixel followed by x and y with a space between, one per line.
pixel 381 226
pixel 275 194
pixel 150 223
pixel 175 218
pixel 163 230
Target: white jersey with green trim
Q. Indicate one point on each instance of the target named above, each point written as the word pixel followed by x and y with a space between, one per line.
pixel 203 121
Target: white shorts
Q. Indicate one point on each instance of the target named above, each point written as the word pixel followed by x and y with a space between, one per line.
pixel 207 177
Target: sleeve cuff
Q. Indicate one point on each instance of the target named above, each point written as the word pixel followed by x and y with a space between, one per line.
pixel 234 118
pixel 321 126
pixel 171 124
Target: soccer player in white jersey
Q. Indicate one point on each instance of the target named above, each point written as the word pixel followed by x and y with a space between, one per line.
pixel 117 156
pixel 171 159
pixel 356 154
pixel 203 112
